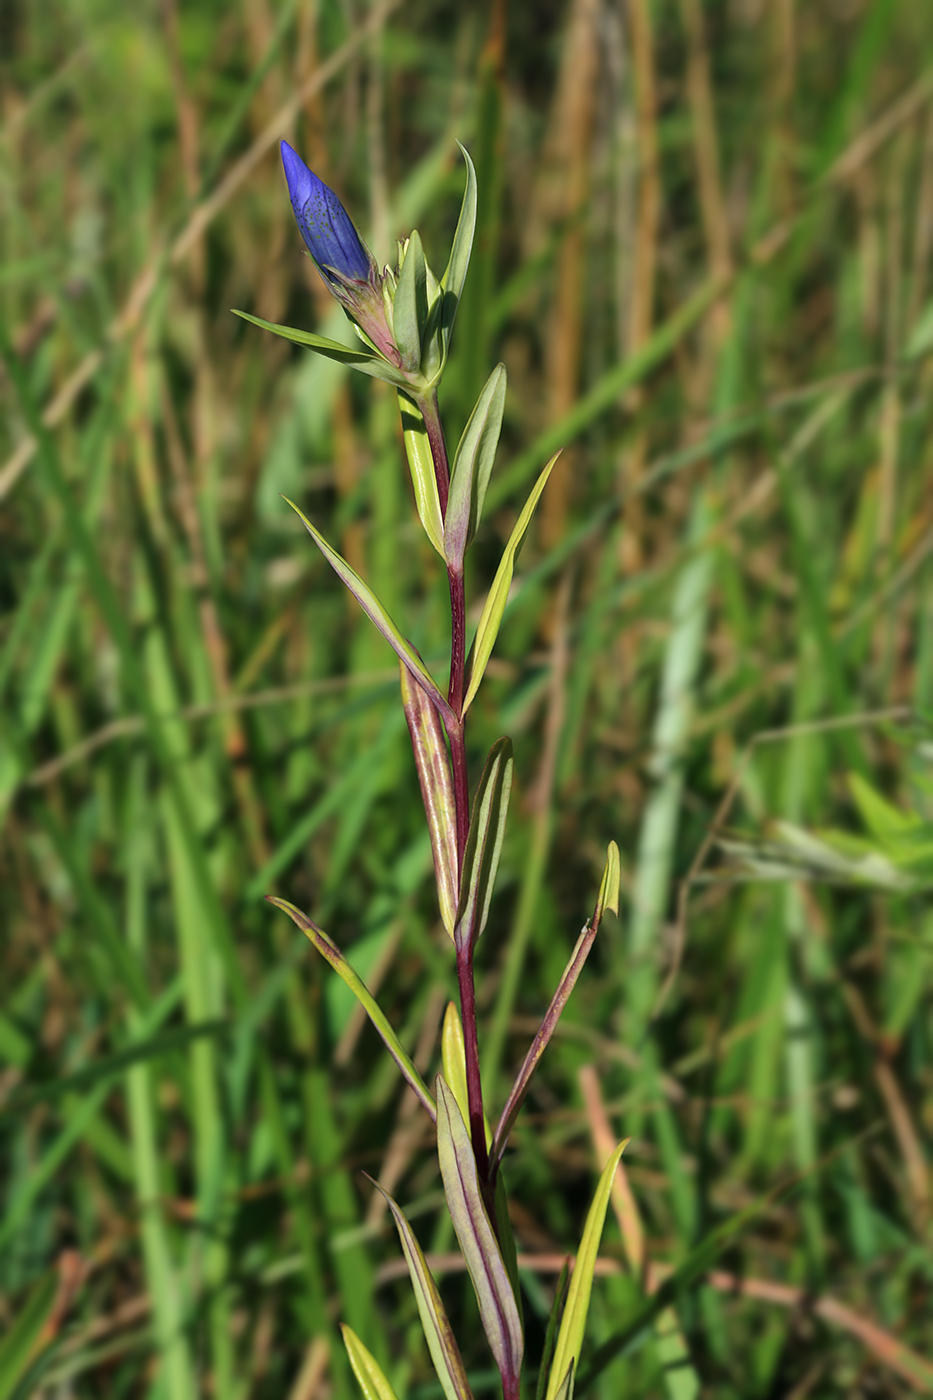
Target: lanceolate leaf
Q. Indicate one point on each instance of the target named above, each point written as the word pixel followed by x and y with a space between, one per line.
pixel 570 1337
pixel 376 613
pixel 453 1058
pixel 365 361
pixel 437 793
pixel 484 843
pixel 456 271
pixel 498 1311
pixel 441 1341
pixel 498 596
pixel 366 1368
pixel 345 972
pixel 608 899
pixel 472 466
pixel 421 466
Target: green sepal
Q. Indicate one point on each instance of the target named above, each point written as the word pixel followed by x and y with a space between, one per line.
pixel 366 1368
pixel 332 954
pixel 491 1283
pixel 376 614
pixel 484 844
pixel 437 1329
pixel 410 304
pixel 498 596
pixel 370 363
pixel 573 1324
pixel 421 466
pixel 469 476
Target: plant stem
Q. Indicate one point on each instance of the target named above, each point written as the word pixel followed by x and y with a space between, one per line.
pixel 471 1055
pixel 455 734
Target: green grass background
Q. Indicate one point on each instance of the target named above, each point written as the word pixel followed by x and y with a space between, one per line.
pixel 704 254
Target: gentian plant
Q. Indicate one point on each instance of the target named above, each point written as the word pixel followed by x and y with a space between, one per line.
pixel 404 317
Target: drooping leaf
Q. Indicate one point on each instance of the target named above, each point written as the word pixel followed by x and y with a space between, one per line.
pixel 484 844
pixel 437 792
pixel 498 1311
pixel 437 1329
pixel 410 306
pixel 498 595
pixel 376 613
pixel 366 1368
pixel 332 954
pixel 573 1325
pixel 367 362
pixel 553 1324
pixel 421 466
pixel 472 467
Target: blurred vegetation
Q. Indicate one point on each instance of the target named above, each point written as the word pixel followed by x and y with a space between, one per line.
pixel 704 254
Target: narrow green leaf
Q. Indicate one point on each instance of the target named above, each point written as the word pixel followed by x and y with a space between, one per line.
pixel 437 1329
pixel 570 1337
pixel 484 844
pixel 553 1323
pixel 24 1334
pixel 366 1368
pixel 461 248
pixel 421 466
pixel 376 613
pixel 410 307
pixel 437 791
pixel 609 889
pixel 332 954
pixel 367 362
pixel 472 467
pixel 498 1311
pixel 498 596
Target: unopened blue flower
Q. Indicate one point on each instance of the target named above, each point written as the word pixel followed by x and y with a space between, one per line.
pixel 325 225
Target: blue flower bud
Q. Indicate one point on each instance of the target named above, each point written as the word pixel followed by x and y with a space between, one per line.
pixel 325 225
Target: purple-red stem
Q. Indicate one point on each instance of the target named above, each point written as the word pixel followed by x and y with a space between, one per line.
pixel 458 763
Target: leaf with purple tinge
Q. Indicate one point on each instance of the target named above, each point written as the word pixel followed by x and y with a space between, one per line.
pixel 431 760
pixel 366 1368
pixel 498 595
pixel 332 954
pixel 573 1325
pixel 437 1329
pixel 377 614
pixel 608 899
pixel 497 1307
pixel 484 844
